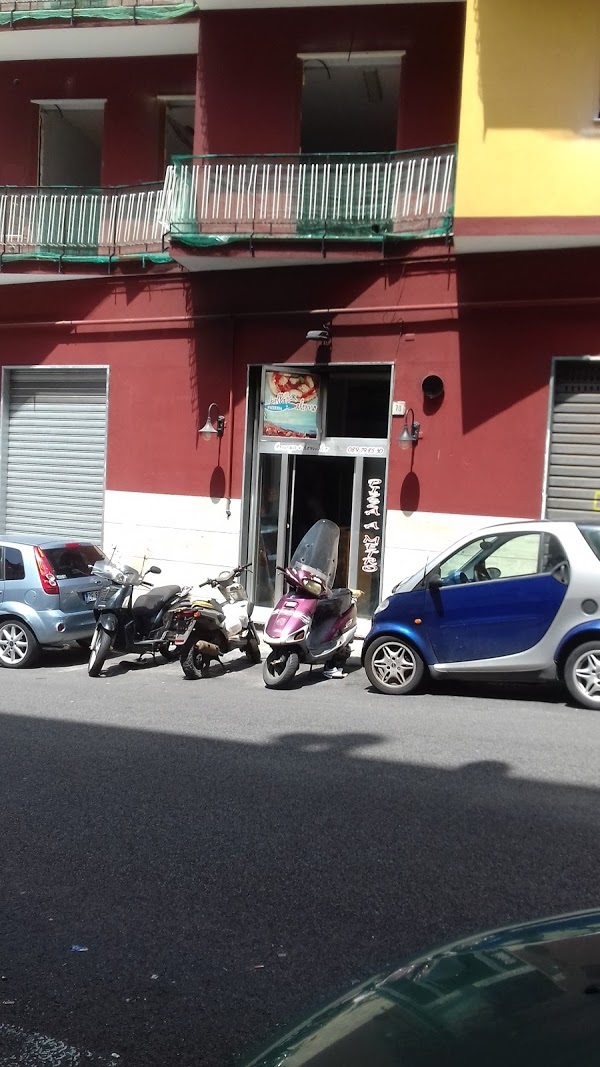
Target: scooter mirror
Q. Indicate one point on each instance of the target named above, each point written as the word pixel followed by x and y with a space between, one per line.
pixel 154 570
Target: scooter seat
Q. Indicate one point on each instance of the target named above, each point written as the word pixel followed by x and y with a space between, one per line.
pixel 336 604
pixel 150 603
pixel 344 598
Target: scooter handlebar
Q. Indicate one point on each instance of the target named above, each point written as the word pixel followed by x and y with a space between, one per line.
pixel 227 576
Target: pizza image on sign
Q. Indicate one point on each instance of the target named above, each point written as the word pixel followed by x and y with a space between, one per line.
pixel 290 405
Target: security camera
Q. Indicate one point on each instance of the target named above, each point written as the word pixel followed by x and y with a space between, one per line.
pixel 322 336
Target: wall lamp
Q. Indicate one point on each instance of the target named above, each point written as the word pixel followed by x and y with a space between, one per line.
pixel 322 336
pixel 211 428
pixel 323 340
pixel 410 432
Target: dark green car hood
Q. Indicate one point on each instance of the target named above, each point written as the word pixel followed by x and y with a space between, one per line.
pixel 525 995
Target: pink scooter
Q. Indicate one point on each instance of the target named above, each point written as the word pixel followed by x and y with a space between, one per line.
pixel 312 623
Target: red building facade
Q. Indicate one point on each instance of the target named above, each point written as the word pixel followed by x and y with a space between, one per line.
pixel 183 309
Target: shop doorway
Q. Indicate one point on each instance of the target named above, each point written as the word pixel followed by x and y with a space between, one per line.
pixel 322 489
pixel 340 475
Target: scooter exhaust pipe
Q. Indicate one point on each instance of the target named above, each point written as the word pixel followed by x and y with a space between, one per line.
pixel 205 648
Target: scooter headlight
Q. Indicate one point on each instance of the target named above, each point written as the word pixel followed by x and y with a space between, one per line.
pixel 381 607
pixel 312 585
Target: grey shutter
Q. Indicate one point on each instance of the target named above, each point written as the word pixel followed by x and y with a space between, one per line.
pixel 573 490
pixel 54 451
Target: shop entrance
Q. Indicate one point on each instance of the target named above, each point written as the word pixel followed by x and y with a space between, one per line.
pixel 322 489
pixel 334 474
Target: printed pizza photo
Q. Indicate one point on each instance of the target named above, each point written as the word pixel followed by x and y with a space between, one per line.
pixel 292 388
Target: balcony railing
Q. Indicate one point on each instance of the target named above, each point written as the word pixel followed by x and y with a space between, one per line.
pixel 81 5
pixel 210 200
pixel 345 196
pixel 83 223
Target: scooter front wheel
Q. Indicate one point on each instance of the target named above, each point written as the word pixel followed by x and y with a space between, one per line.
pixel 100 648
pixel 279 668
pixel 252 649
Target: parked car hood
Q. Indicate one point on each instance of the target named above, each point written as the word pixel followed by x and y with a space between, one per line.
pixel 523 995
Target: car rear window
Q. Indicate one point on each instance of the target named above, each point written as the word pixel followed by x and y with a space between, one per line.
pixel 73 560
pixel 592 536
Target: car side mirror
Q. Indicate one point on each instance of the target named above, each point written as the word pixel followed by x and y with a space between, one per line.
pixel 154 570
pixel 434 582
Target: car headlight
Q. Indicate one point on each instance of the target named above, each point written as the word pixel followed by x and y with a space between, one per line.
pixel 381 607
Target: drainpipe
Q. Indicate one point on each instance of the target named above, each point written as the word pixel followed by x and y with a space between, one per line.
pixel 231 418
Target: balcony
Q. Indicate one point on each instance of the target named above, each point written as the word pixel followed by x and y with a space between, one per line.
pixel 215 200
pixel 45 8
pixel 210 202
pixel 83 225
pixel 57 29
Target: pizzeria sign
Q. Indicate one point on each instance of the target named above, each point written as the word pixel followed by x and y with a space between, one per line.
pixel 291 405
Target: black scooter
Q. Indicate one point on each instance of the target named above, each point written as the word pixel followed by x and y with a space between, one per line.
pixel 127 626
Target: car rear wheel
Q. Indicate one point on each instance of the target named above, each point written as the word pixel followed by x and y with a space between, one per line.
pixel 18 645
pixel 582 674
pixel 394 666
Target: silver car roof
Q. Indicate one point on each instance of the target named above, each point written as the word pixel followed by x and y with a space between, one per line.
pixel 41 540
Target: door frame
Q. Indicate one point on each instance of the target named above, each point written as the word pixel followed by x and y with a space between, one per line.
pixel 254 447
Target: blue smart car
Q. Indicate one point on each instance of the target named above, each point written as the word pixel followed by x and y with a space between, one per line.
pixel 520 601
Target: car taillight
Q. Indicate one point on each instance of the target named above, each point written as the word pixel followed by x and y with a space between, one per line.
pixel 47 575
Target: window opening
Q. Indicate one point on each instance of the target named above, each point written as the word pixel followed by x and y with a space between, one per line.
pixel 350 102
pixel 179 127
pixel 71 136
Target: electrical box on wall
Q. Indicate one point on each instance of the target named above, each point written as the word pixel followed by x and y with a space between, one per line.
pixel 398 407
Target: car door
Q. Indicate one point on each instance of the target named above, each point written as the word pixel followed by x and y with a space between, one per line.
pixel 498 597
pixel 1 573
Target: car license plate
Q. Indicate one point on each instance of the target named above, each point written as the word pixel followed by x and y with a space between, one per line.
pixel 90 598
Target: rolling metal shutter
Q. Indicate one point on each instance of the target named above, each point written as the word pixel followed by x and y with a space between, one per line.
pixel 54 451
pixel 573 490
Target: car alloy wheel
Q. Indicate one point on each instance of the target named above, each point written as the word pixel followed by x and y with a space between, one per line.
pixel 582 674
pixel 18 646
pixel 393 665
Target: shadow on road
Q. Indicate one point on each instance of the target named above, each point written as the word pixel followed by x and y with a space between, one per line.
pixel 222 888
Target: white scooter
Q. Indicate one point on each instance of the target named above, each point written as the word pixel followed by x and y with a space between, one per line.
pixel 204 630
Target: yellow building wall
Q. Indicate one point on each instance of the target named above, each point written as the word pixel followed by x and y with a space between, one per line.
pixel 528 144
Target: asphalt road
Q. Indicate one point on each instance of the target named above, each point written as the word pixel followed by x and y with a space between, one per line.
pixel 229 856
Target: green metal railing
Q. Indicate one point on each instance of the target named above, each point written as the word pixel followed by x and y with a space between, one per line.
pixel 360 196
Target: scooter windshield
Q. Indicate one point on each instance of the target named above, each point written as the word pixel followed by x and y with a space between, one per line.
pixel 318 551
pixel 118 575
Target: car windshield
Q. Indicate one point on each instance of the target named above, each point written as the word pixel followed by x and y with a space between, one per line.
pixel 73 560
pixel 592 536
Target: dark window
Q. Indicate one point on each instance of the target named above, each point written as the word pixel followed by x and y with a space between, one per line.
pixel 73 561
pixel 358 403
pixel 592 536
pixel 14 571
